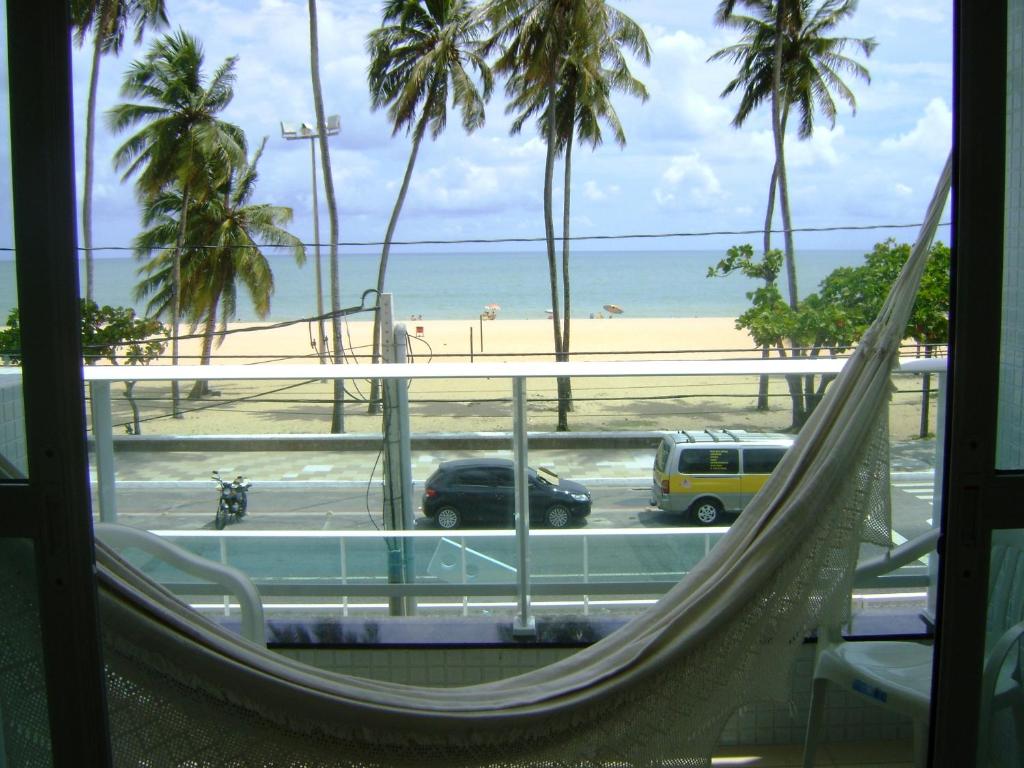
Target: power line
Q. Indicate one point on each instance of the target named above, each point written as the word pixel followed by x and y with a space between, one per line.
pixel 541 239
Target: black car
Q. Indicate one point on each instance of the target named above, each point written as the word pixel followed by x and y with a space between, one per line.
pixel 483 490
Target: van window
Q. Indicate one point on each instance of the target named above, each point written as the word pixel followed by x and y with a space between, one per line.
pixel 761 461
pixel 710 461
pixel 662 458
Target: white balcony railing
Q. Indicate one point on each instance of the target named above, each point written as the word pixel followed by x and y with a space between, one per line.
pixel 506 577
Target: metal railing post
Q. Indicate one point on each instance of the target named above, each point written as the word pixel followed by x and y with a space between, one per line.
pixel 524 625
pixel 103 434
pixel 937 476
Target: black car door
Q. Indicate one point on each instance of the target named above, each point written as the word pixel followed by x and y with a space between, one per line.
pixel 504 493
pixel 475 494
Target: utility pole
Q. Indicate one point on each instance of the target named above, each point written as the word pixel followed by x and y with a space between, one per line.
pixel 398 508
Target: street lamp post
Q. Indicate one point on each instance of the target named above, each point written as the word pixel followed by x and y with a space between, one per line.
pixel 293 131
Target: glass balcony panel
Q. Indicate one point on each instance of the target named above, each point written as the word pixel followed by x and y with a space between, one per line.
pixel 1010 429
pixel 13 457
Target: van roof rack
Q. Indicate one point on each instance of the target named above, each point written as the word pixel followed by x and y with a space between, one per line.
pixel 712 435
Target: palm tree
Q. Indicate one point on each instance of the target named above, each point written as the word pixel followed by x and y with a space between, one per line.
pixel 108 20
pixel 593 68
pixel 181 139
pixel 338 409
pixel 563 59
pixel 418 57
pixel 229 233
pixel 785 57
pixel 532 37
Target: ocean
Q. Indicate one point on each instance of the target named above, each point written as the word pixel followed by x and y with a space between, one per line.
pixel 458 285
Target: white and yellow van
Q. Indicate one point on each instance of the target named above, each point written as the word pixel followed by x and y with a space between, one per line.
pixel 716 471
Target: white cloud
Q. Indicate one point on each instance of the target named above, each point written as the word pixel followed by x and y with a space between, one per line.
pixel 819 149
pixel 931 135
pixel 903 190
pixel 468 186
pixel 689 173
pixel 594 191
pixel 913 11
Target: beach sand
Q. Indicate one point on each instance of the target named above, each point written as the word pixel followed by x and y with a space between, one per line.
pixel 483 405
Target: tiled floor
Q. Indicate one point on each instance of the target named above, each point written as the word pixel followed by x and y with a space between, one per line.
pixel 849 755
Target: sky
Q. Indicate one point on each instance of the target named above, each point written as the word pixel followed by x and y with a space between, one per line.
pixel 684 169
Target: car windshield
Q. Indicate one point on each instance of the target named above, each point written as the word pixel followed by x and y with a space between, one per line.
pixel 546 475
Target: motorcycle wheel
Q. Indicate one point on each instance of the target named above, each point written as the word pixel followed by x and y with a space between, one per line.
pixel 221 519
pixel 242 504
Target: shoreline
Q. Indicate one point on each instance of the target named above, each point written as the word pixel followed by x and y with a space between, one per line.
pixel 497 340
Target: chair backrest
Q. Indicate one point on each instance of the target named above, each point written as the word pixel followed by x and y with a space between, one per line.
pixel 234 581
pixel 1006 584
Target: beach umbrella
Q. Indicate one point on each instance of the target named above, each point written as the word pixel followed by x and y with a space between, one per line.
pixel 615 309
pixel 492 307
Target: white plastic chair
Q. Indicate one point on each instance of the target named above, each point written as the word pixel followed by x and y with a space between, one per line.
pixel 234 581
pixel 898 674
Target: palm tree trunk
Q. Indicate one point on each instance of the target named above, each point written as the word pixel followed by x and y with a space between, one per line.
pixel 202 387
pixel 338 411
pixel 176 295
pixel 778 128
pixel 90 146
pixel 565 384
pixel 129 394
pixel 374 405
pixel 549 235
pixel 770 213
pixel 795 388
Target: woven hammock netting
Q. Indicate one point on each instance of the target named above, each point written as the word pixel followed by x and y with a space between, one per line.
pixel 184 692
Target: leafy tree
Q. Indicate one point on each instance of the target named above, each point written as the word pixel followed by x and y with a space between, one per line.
pixel 562 59
pixel 111 334
pixel 833 320
pixel 108 20
pixel 338 410
pixel 862 291
pixel 765 320
pixel 418 59
pixel 181 138
pixel 228 230
pixel 785 57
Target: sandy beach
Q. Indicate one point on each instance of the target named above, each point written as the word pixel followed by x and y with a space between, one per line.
pixel 472 405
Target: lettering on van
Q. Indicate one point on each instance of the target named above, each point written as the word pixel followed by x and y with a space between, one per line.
pixel 718 461
pixel 710 461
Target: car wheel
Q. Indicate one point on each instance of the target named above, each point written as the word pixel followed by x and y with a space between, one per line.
pixel 448 518
pixel 557 516
pixel 707 511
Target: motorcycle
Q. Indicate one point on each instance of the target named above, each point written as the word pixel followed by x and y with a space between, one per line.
pixel 233 499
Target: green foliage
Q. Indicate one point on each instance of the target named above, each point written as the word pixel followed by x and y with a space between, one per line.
pixel 812 63
pixel 113 334
pixel 862 290
pixel 420 57
pixel 10 339
pixel 230 229
pixel 769 319
pixel 847 302
pixel 116 335
pixel 180 137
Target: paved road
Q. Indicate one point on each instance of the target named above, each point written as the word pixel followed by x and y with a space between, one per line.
pixel 329 506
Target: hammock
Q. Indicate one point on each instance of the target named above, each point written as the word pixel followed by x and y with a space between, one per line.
pixel 184 691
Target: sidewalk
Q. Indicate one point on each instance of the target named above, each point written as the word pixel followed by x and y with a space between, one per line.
pixel 592 465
